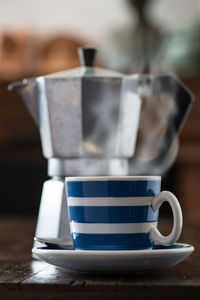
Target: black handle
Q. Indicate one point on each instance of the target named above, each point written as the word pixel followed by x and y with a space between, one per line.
pixel 147 85
pixel 87 56
pixel 182 101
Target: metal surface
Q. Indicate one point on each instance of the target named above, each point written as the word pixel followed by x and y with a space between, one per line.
pixel 85 167
pixel 53 213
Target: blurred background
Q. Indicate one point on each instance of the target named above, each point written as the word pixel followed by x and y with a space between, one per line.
pixel 41 36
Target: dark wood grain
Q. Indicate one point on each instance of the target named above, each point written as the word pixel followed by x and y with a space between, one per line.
pixel 24 278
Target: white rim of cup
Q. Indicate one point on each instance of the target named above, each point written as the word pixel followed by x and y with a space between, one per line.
pixel 109 178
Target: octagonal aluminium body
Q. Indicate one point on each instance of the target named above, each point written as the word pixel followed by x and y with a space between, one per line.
pixel 77 112
pixel 86 112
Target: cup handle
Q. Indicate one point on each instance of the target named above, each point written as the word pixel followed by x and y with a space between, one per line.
pixel 155 235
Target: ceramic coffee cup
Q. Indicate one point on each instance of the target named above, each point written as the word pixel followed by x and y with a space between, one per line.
pixel 119 213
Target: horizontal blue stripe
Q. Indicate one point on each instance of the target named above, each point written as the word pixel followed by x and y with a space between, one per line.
pixel 116 188
pixel 112 214
pixel 132 241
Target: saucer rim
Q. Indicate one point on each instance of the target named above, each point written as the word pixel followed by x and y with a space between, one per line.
pixel 111 261
pixel 152 252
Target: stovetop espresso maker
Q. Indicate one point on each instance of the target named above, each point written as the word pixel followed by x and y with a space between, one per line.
pixel 91 122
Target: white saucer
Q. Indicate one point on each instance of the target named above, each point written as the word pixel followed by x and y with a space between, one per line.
pixel 111 261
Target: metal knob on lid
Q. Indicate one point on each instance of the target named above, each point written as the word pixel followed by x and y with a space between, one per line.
pixel 87 56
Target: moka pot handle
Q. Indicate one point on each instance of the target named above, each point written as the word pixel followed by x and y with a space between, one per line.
pixel 183 98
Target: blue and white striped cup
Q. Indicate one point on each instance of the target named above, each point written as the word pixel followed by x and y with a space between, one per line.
pixel 119 213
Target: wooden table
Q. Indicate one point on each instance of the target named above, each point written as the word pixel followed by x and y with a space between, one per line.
pixel 23 278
